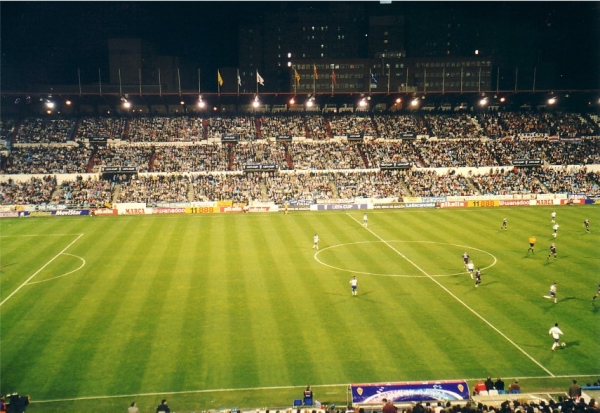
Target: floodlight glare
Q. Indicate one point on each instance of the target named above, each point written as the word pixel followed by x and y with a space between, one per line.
pixel 552 101
pixel 309 103
pixel 292 101
pixel 414 102
pixel 49 105
pixel 127 104
pixel 256 103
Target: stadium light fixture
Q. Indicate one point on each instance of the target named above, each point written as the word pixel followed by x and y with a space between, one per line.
pixel 414 102
pixel 201 103
pixel 483 102
pixel 362 103
pixel 309 103
pixel 398 101
pixel 292 101
pixel 49 104
pixel 68 103
pixel 552 100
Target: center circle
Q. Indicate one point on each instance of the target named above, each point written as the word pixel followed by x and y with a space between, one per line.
pixel 442 258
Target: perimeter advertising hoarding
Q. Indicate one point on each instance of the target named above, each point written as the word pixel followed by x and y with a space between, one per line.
pixel 451 390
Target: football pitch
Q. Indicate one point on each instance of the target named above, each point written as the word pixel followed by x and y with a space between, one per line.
pixel 223 310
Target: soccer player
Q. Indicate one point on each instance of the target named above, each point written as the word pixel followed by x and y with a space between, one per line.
pixel 586 224
pixel 465 258
pixel 552 251
pixel 597 294
pixel 531 244
pixel 552 295
pixel 470 267
pixel 354 285
pixel 555 332
pixel 553 215
pixel 365 221
pixel 504 224
pixel 477 277
pixel 555 230
pixel 316 242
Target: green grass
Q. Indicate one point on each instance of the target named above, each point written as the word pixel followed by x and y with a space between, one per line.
pixel 237 310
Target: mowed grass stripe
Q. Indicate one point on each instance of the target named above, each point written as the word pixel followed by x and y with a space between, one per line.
pixel 455 297
pixel 373 337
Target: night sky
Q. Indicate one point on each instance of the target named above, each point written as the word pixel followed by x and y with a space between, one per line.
pixel 49 41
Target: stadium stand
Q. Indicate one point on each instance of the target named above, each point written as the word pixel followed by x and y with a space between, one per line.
pixel 317 163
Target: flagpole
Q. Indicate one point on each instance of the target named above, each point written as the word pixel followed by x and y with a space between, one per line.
pixel 314 79
pixel 120 87
pixel 159 84
pixel 257 82
pixel 140 78
pixel 179 81
pixel 238 81
pixel 443 79
pixel 370 76
pixel 295 82
pixel 218 83
pixel 389 75
pixel 199 81
pixel 79 78
pixel 100 81
pixel 479 90
pixel 332 74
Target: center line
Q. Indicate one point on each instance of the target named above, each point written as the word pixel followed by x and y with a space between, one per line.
pixel 455 297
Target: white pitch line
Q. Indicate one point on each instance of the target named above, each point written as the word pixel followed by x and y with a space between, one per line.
pixel 456 298
pixel 38 271
pixel 163 393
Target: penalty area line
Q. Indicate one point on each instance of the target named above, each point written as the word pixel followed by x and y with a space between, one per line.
pixel 38 271
pixel 456 298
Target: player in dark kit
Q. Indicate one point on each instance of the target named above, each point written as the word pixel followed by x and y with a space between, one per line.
pixel 465 258
pixel 552 252
pixel 504 224
pixel 477 277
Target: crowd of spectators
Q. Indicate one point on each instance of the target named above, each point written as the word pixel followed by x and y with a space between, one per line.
pixel 390 126
pixel 47 160
pixel 173 145
pixel 242 126
pixel 196 158
pixel 259 153
pixel 44 130
pixel 326 155
pixel 123 155
pixel 271 126
pixel 103 127
pixel 429 183
pixel 296 187
pixel 317 127
pixel 236 187
pixel 35 191
pixel 164 129
pixel 156 188
pixel 454 126
pixel 342 125
pixel 509 182
pixel 80 192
